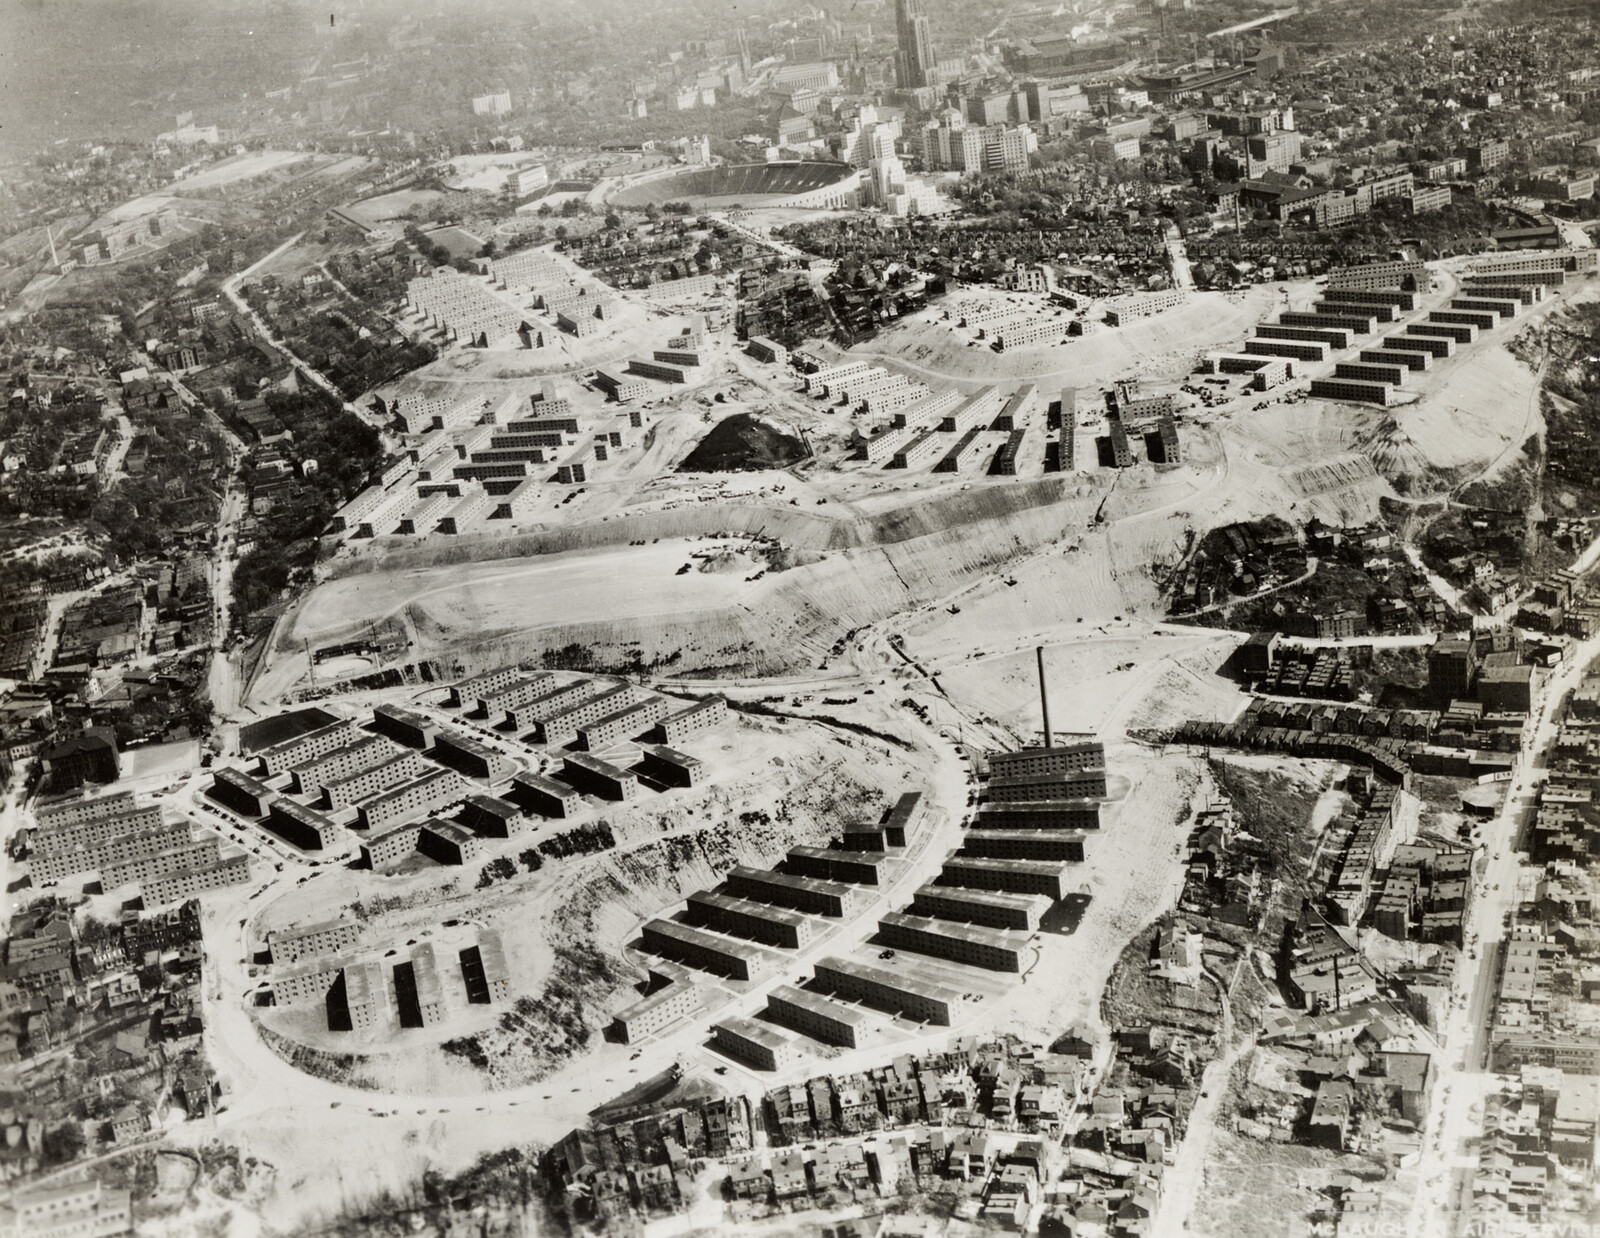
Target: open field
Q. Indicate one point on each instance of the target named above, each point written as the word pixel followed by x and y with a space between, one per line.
pixel 243 167
pixel 622 583
pixel 374 211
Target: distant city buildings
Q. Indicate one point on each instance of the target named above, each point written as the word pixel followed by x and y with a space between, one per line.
pixel 914 59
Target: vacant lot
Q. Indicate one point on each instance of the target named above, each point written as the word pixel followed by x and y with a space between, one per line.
pixel 373 211
pixel 626 582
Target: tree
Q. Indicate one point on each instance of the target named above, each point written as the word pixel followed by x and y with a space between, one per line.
pixel 561 232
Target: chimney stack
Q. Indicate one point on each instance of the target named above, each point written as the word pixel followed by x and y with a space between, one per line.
pixel 1044 696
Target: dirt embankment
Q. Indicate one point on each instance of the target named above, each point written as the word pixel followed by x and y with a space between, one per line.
pixel 791 526
pixel 877 566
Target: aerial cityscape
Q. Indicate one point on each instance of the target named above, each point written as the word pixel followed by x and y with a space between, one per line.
pixel 917 618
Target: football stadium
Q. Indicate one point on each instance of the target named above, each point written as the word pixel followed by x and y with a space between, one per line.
pixel 808 183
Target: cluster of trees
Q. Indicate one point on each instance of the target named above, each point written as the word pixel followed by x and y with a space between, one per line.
pixel 435 253
pixel 581 840
pixel 500 869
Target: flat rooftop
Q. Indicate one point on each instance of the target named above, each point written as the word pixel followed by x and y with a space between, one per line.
pixel 825 853
pixel 752 1030
pixel 466 743
pixel 1076 805
pixel 646 1004
pixel 409 716
pixel 815 885
pixel 1050 867
pixel 1031 780
pixel 977 934
pixel 765 911
pixel 358 742
pixel 322 926
pixel 1030 836
pixel 596 766
pixel 538 782
pixel 331 729
pixel 733 947
pixel 823 1007
pixel 398 758
pixel 670 755
pixel 898 980
pixel 987 898
pixel 287 807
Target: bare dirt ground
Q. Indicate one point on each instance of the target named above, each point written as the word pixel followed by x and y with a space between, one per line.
pixel 1163 346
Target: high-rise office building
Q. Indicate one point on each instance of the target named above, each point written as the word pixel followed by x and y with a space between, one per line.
pixel 914 62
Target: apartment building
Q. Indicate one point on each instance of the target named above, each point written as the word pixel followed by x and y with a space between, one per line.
pixel 1061 759
pixel 541 709
pixel 82 811
pixel 470 756
pixel 301 827
pixel 596 777
pixel 306 986
pixel 665 371
pixel 361 753
pixel 426 794
pixel 289 946
pixel 1055 846
pixel 308 747
pixel 493 817
pixel 447 842
pixel 419 994
pixel 405 726
pixel 400 766
pixel 1013 876
pixel 235 789
pixel 885 989
pixel 484 970
pixel 764 349
pixel 50 863
pixel 626 723
pixel 822 864
pixel 1131 309
pixel 1347 389
pixel 229 870
pixel 1082 784
pixel 1408 274
pixel 697 948
pixel 989 948
pixel 190 855
pixel 669 766
pixel 818 1017
pixel 620 386
pixel 755 1044
pixel 990 908
pixel 903 818
pixel 807 894
pixel 392 845
pixel 740 917
pixel 658 1011
pixel 545 796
